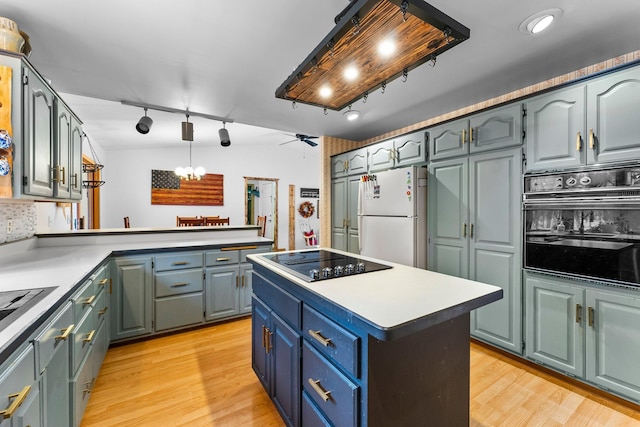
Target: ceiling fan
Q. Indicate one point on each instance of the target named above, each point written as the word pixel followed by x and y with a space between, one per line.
pixel 303 138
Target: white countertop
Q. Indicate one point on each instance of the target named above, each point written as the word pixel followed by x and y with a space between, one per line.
pixel 394 297
pixel 60 263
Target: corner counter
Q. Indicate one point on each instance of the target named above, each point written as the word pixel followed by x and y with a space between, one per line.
pixel 389 347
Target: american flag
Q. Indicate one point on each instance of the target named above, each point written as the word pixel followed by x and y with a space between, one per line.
pixel 168 189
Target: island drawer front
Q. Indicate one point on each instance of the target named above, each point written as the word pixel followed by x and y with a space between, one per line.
pixel 178 261
pixel 83 335
pixel 53 336
pixel 220 257
pixel 319 376
pixel 178 282
pixel 311 415
pixel 282 302
pixel 258 250
pixel 100 309
pixel 83 300
pixel 331 339
pixel 179 311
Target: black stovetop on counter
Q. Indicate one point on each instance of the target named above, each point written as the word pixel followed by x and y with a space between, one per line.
pixel 323 265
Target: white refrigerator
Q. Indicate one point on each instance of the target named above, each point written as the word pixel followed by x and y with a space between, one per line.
pixel 392 216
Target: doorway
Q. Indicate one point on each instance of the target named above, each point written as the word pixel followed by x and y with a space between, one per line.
pixel 261 199
pixel 89 209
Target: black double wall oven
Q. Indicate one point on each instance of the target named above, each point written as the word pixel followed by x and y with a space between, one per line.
pixel 584 224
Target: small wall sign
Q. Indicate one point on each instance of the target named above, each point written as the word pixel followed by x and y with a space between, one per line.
pixel 310 193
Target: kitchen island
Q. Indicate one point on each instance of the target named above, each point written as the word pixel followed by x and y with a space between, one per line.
pixel 389 347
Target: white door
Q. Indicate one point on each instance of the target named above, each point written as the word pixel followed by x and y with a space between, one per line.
pixel 267 206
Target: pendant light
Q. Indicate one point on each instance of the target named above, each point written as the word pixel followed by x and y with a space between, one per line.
pixel 188 173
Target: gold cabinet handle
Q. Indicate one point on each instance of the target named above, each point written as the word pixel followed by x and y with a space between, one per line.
pixel 346 165
pixel 578 313
pixel 63 175
pixel 464 136
pixel 75 180
pixel 237 281
pixel 103 311
pixel 591 139
pixel 89 337
pixel 464 229
pixel 578 141
pixel 89 300
pixel 269 345
pixel 222 259
pixel 64 333
pixel 180 285
pixel 470 134
pixel 87 387
pixel 103 282
pixel 315 385
pixel 264 337
pixel 471 231
pixel 590 315
pixel 180 263
pixel 318 337
pixel 19 398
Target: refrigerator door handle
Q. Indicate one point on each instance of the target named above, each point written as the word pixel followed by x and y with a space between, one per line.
pixel 359 233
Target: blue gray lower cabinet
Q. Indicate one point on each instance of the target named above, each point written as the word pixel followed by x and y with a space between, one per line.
pixel 323 369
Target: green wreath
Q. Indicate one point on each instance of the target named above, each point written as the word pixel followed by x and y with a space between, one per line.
pixel 306 209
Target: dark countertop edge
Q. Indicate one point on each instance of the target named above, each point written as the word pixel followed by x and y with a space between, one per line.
pixel 351 320
pixel 26 333
pixel 125 231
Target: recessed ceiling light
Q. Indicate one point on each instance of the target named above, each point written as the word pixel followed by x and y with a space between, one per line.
pixel 351 115
pixel 325 91
pixel 351 73
pixel 540 21
pixel 386 47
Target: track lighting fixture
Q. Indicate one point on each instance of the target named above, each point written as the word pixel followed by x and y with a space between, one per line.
pixel 225 141
pixel 187 130
pixel 144 124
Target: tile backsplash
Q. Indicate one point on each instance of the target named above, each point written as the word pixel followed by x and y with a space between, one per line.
pixel 22 215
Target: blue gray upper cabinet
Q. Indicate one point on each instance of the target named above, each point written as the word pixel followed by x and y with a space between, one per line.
pixel 405 150
pixel 349 163
pixel 497 128
pixel 592 123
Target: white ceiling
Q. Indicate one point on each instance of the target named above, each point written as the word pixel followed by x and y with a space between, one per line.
pixel 226 58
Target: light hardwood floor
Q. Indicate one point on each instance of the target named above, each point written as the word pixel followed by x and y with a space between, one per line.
pixel 203 377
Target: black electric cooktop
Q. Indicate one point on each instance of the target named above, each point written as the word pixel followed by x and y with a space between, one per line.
pixel 322 265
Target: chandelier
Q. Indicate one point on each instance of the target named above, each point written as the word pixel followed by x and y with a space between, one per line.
pixel 189 173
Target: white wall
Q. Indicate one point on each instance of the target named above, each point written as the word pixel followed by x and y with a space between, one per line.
pixel 127 191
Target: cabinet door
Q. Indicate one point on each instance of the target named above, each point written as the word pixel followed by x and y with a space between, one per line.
pixel 223 284
pixel 75 162
pixel 449 140
pixel 495 243
pixel 17 381
pixel 131 299
pixel 357 161
pixel 62 152
pixel 285 367
pixel 246 287
pixel 339 213
pixel 353 245
pixel 55 387
pixel 448 230
pixel 28 414
pixel 613 342
pixel 259 355
pixel 555 130
pixel 339 166
pixel 411 149
pixel 554 324
pixel 499 128
pixel 381 156
pixel 613 117
pixel 39 134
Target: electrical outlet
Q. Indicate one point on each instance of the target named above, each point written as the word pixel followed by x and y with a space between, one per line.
pixel 9 226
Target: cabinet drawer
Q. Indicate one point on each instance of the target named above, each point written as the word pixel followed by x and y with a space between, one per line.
pixel 55 335
pixel 331 339
pixel 101 278
pixel 82 336
pixel 178 261
pixel 253 250
pixel 282 302
pixel 332 392
pixel 100 309
pixel 311 416
pixel 221 257
pixel 175 312
pixel 83 300
pixel 178 282
pixel 17 375
pixel 81 386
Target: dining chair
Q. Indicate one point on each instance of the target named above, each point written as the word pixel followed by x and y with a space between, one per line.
pixel 216 221
pixel 189 221
pixel 127 224
pixel 262 223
